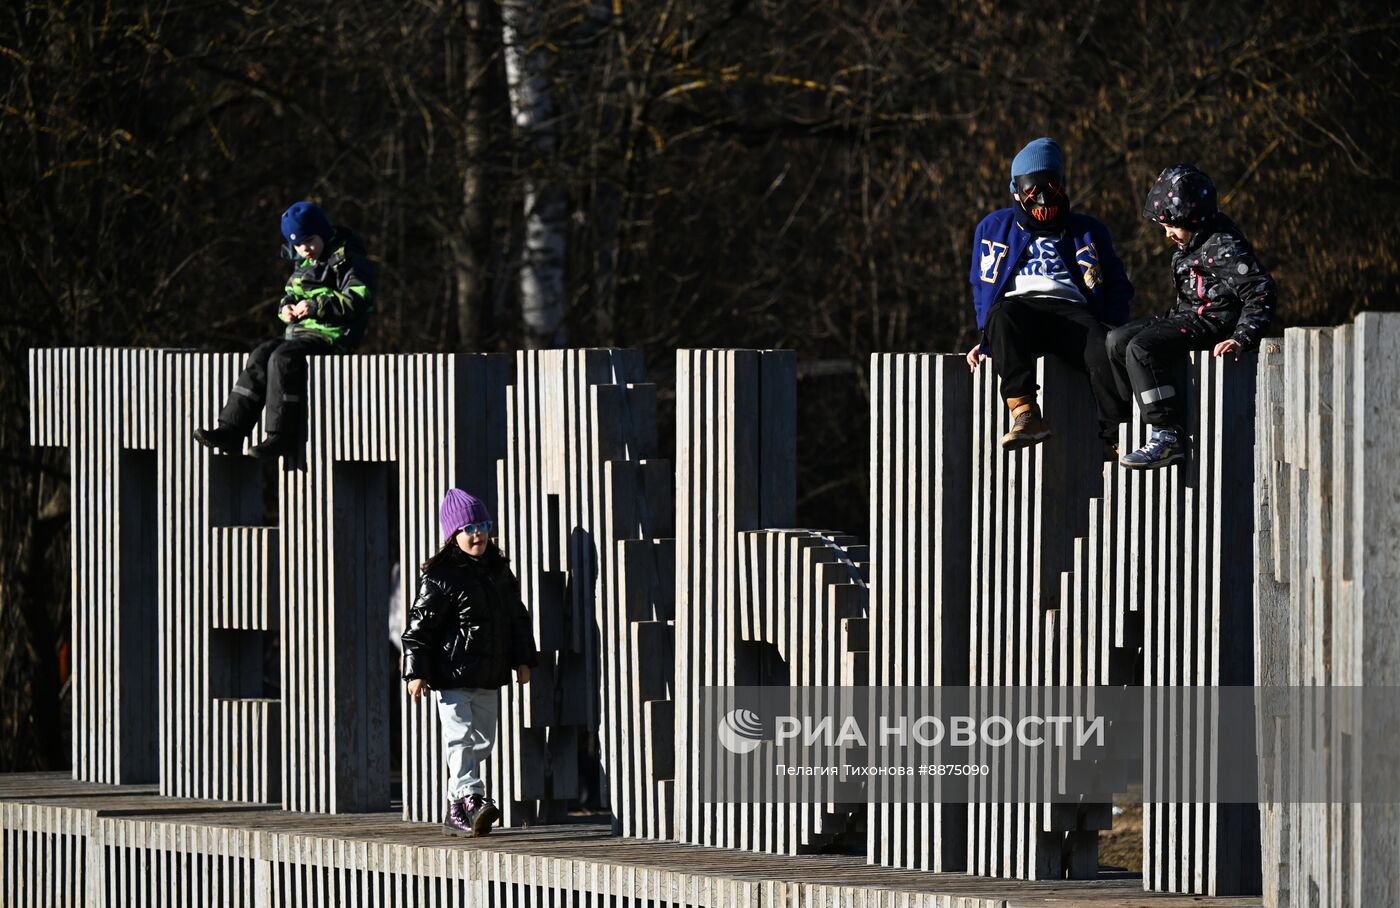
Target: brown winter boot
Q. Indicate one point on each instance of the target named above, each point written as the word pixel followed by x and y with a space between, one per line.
pixel 1029 429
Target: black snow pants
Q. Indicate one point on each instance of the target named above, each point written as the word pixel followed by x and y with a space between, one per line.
pixel 1149 357
pixel 275 374
pixel 1020 329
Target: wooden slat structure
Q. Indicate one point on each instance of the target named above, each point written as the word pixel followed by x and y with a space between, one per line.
pixel 220 724
pixel 212 597
pixel 103 406
pixel 449 421
pixel 800 622
pixel 1089 575
pixel 259 596
pixel 387 435
pixel 1028 508
pixel 64 843
pixel 921 425
pixel 1198 629
pixel 585 505
pixel 736 470
pixel 1326 608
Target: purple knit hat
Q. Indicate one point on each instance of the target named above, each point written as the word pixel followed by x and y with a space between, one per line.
pixel 459 509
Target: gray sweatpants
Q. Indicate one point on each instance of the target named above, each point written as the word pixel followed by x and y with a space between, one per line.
pixel 468 734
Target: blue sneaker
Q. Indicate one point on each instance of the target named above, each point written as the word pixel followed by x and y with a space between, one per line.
pixel 1164 448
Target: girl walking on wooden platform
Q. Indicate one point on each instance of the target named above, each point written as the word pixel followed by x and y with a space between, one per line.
pixel 465 632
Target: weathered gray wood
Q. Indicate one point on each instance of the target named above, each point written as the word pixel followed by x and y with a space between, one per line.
pixel 103 405
pixel 1030 517
pixel 1326 613
pixel 1375 573
pixel 735 473
pixel 921 492
pixel 1035 568
pixel 232 602
pixel 800 585
pixel 579 484
pixel 125 848
pixel 1072 556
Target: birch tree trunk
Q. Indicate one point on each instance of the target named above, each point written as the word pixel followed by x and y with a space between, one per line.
pixel 542 300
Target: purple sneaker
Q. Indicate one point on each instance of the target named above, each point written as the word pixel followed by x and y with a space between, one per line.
pixel 482 813
pixel 457 821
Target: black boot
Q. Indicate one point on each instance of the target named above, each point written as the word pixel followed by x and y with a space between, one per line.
pixel 456 822
pixel 277 444
pixel 482 813
pixel 223 438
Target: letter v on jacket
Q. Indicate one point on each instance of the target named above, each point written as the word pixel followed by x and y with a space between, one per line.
pixel 1086 247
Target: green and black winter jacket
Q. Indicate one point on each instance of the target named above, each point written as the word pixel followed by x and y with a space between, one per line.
pixel 339 288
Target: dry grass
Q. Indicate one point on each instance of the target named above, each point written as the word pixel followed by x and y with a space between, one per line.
pixel 1121 846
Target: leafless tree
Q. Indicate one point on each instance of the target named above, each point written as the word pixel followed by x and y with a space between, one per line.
pixel 752 172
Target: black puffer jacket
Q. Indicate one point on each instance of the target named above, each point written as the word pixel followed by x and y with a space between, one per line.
pixel 468 627
pixel 1218 277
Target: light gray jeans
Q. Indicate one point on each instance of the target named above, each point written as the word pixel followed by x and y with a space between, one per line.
pixel 468 734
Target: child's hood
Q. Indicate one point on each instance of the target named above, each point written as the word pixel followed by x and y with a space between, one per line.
pixel 1218 226
pixel 344 243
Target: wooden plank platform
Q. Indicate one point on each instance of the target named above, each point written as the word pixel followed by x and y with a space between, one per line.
pixel 575 864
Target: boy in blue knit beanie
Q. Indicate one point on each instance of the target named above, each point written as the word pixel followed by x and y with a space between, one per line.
pixel 325 306
pixel 1046 280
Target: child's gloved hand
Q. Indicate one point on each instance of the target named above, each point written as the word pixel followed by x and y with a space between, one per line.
pixel 522 674
pixel 417 688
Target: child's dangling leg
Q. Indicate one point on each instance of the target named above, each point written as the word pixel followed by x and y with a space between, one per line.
pixel 244 404
pixel 1011 329
pixel 285 416
pixel 1155 358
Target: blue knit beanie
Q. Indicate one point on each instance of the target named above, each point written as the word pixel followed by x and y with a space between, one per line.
pixel 305 219
pixel 1040 154
pixel 459 509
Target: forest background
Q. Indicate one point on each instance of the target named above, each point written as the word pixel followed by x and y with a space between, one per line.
pixel 645 173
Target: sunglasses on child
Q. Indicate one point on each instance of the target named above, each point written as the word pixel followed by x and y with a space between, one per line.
pixel 472 529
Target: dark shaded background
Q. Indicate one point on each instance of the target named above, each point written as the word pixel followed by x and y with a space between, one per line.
pixel 777 174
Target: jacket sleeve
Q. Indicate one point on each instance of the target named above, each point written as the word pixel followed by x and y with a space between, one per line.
pixel 1118 290
pixel 287 300
pixel 421 629
pixel 1240 273
pixel 522 635
pixel 974 277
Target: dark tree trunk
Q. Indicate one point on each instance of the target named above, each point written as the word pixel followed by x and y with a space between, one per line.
pixel 486 110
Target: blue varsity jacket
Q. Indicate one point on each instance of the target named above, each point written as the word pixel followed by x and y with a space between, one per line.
pixel 1000 242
